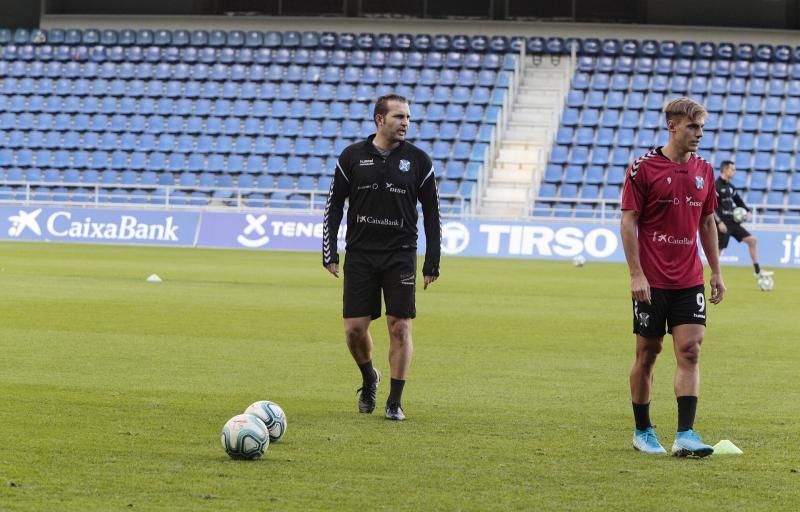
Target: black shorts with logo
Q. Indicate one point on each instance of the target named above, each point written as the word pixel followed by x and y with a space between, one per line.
pixel 735 230
pixel 366 273
pixel 670 307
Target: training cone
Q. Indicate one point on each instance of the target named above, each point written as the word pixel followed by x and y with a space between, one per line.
pixel 154 279
pixel 726 447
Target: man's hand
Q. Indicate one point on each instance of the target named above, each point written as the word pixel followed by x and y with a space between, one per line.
pixel 717 288
pixel 722 228
pixel 333 268
pixel 640 288
pixel 428 280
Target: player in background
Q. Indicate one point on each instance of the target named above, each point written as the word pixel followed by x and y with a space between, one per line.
pixel 383 178
pixel 667 199
pixel 728 199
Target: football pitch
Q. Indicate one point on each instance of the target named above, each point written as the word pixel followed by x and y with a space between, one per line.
pixel 114 390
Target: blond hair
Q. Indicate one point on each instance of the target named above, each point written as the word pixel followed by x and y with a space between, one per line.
pixel 684 107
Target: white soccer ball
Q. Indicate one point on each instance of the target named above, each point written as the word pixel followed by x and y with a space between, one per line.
pixel 766 283
pixel 739 214
pixel 273 417
pixel 245 436
pixel 579 261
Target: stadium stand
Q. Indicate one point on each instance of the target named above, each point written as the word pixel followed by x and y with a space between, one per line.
pixel 258 118
pixel 613 114
pixel 214 116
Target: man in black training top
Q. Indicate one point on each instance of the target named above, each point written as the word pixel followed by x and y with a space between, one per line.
pixel 383 177
pixel 728 199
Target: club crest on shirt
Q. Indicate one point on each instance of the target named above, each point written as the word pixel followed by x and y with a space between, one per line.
pixel 699 182
pixel 405 165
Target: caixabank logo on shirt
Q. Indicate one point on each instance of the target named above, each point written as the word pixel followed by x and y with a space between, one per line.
pixel 666 238
pixel 91 226
pixel 368 219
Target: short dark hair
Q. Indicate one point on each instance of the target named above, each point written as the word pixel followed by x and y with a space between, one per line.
pixel 382 104
pixel 725 164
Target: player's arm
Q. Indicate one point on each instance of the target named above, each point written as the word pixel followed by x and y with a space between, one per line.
pixel 710 243
pixel 429 199
pixel 718 220
pixel 739 201
pixel 640 287
pixel 718 212
pixel 334 211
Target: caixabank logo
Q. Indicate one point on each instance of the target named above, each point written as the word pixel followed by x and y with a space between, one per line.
pixel 93 226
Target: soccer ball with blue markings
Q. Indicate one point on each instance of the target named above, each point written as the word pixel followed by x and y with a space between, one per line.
pixel 245 436
pixel 273 417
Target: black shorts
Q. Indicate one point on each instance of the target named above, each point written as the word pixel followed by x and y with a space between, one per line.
pixel 735 230
pixel 670 307
pixel 367 273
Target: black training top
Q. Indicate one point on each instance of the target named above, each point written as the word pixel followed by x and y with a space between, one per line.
pixel 727 199
pixel 383 194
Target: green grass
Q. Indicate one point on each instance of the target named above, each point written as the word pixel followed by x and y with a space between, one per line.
pixel 114 390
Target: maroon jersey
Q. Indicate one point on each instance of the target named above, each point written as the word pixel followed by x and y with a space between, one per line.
pixel 670 199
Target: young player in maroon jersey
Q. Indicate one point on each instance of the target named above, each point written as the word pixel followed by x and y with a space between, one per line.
pixel 667 200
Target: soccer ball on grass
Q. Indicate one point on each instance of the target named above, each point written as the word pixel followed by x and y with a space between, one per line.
pixel 245 436
pixel 766 283
pixel 739 214
pixel 579 261
pixel 273 417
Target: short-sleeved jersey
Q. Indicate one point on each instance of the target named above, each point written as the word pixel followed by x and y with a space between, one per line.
pixel 671 198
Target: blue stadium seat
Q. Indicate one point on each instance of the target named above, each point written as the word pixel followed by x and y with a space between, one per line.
pixel 743 160
pixel 564 135
pixel 651 119
pixel 600 82
pixel 746 141
pixel 630 119
pixel 559 155
pixel 762 161
pixel 594 99
pixel 579 155
pixel 634 101
pixel 620 82
pixel 594 176
pixel 600 155
pixel 780 183
pixel 580 81
pixel 621 157
pixel 584 136
pixel 726 140
pixel 589 117
pixel 573 174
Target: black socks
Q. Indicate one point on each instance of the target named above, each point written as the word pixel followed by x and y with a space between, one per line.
pixel 367 372
pixel 641 415
pixel 396 391
pixel 687 406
